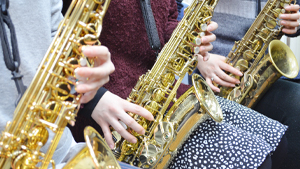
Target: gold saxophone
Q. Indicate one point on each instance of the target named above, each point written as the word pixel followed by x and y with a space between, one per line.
pixel 51 102
pixel 260 68
pixel 156 91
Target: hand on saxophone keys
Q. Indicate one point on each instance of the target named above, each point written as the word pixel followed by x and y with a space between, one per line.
pixel 213 72
pixel 206 40
pixel 111 111
pixel 290 19
pixel 90 79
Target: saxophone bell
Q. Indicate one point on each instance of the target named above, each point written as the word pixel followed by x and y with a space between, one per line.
pixel 283 59
pixel 95 155
pixel 207 98
pixel 280 61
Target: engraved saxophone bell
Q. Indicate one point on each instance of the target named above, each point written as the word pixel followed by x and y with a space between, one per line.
pixel 96 154
pixel 283 59
pixel 280 61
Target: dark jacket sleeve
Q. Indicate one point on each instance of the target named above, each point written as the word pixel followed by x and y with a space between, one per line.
pixel 87 109
pixel 294 35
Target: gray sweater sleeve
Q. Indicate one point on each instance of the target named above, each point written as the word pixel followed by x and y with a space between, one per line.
pixel 56 16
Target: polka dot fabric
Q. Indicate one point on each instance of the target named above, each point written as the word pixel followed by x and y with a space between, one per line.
pixel 242 140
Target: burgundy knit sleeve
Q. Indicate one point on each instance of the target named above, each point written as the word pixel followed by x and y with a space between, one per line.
pixel 172 20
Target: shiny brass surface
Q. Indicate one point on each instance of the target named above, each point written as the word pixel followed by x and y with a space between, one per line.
pixel 261 67
pixel 96 154
pixel 50 101
pixel 157 89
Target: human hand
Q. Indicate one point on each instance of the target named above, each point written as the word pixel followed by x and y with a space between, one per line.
pixel 206 40
pixel 212 71
pixel 92 78
pixel 290 20
pixel 111 109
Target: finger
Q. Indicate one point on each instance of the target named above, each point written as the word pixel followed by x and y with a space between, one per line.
pixel 225 77
pixel 130 122
pixel 90 85
pixel 100 52
pixel 293 16
pixel 136 109
pixel 96 72
pixel 222 82
pixel 206 56
pixel 208 38
pixel 213 87
pixel 123 132
pixel 222 58
pixel 88 96
pixel 205 48
pixel 292 8
pixel 289 24
pixel 80 75
pixel 212 26
pixel 107 135
pixel 229 68
pixel 289 31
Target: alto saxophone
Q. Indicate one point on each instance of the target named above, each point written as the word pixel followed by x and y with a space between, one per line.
pixel 261 68
pixel 156 91
pixel 51 102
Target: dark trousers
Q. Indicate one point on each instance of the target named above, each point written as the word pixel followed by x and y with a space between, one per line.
pixel 282 103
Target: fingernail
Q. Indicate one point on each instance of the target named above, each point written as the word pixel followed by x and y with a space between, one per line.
pixel 123 124
pixel 134 140
pixel 238 82
pixel 232 85
pixel 111 146
pixel 152 118
pixel 218 90
pixel 240 74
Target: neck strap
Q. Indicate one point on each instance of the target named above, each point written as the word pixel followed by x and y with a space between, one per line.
pixel 150 25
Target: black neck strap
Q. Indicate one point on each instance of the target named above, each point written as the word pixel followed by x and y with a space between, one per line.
pixel 258 7
pixel 150 25
pixel 10 54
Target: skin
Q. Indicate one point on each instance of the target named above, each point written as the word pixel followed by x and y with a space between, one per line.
pixel 206 42
pixel 92 78
pixel 215 66
pixel 111 108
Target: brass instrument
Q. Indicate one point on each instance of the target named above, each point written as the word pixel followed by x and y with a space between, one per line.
pixel 95 155
pixel 156 91
pixel 51 102
pixel 261 67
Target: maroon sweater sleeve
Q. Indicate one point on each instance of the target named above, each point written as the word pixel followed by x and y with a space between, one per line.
pixel 172 20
